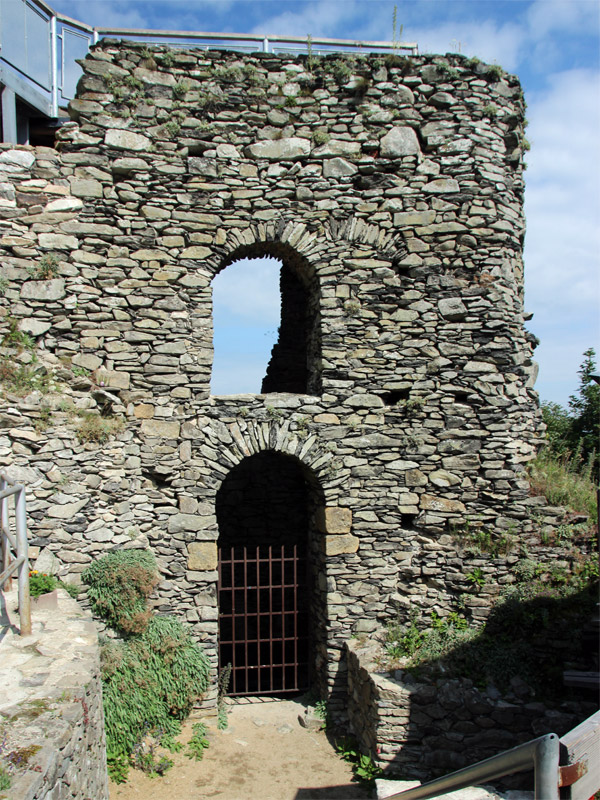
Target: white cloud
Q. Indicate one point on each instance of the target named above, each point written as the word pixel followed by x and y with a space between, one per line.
pixel 249 289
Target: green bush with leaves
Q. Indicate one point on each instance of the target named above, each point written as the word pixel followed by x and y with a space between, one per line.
pixel 150 683
pixel 119 586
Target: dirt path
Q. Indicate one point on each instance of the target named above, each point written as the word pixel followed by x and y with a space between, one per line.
pixel 264 754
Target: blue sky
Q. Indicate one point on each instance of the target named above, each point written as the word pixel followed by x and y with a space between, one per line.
pixel 554 48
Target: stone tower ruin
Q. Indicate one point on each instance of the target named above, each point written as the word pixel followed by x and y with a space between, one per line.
pixel 397 409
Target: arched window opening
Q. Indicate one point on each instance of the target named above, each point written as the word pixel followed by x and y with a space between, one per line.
pixel 260 331
pixel 246 313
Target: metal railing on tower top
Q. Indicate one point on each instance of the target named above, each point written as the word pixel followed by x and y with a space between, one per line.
pixel 39 49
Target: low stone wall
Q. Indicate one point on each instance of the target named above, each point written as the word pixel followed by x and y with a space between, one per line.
pixel 52 741
pixel 423 730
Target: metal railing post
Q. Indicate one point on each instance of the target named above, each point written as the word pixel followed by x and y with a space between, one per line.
pixel 54 72
pixel 23 551
pixel 546 768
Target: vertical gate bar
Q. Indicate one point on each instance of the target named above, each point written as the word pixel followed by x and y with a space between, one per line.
pixel 258 636
pixel 233 619
pixel 295 616
pixel 283 617
pixel 246 619
pixel 4 525
pixel 271 614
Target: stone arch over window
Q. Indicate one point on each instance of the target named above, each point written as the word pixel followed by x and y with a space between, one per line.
pixel 295 362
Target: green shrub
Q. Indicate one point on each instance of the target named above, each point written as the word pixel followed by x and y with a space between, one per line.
pixel 119 586
pixel 150 683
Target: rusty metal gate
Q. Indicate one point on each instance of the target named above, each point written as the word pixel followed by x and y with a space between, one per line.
pixel 263 618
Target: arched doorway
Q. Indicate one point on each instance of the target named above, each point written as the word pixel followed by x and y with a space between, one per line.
pixel 264 508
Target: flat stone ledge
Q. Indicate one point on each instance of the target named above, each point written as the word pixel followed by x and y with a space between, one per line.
pixel 51 700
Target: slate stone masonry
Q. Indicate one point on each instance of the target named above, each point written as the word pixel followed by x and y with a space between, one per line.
pixel 392 191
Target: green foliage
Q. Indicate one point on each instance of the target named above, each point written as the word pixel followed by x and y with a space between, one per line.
pixel 17 339
pixel 494 72
pixel 531 632
pixel 565 471
pixel 228 74
pixel 150 683
pixel 119 586
pixel 585 408
pixel 147 757
pixel 363 766
pixel 476 577
pixel 5 779
pixel 320 137
pixel 95 428
pixel 322 712
pixel 133 83
pixel 198 743
pixel 451 73
pixel 490 110
pixel 4 284
pixel 171 128
pixel 41 583
pixel 180 89
pixel 340 68
pixel 222 689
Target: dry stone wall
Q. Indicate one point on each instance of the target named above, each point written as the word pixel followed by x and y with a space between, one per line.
pixel 430 728
pixel 391 189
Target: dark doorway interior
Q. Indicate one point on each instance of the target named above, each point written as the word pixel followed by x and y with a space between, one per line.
pixel 263 576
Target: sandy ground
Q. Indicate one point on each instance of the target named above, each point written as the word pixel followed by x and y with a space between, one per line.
pixel 263 754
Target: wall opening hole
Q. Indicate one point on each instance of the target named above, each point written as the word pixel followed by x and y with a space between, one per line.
pixel 395 396
pixel 407 520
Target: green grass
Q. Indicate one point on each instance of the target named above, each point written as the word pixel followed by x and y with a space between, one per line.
pixel 564 482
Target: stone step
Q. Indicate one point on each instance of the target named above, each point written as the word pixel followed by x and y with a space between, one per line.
pixel 387 788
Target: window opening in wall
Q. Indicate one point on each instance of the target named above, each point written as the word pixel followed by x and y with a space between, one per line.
pixel 246 314
pixel 266 323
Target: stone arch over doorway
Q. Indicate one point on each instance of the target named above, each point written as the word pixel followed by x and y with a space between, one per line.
pixel 271 574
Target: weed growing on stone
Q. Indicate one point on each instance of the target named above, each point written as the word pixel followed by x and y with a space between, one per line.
pixel 42 583
pixel 322 712
pixel 494 72
pixel 274 413
pixel 490 111
pixel 451 73
pixel 4 284
pixel 98 429
pixel 476 577
pixel 181 89
pixel 320 137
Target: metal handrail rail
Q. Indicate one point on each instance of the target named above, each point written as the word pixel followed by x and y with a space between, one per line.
pixel 17 546
pixel 542 754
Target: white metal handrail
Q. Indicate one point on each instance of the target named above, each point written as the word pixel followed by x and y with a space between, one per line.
pixel 542 754
pixel 568 767
pixel 15 547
